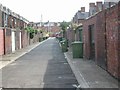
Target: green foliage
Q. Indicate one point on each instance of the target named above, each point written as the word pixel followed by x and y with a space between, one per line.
pixel 31 32
pixel 64 25
pixel 30 29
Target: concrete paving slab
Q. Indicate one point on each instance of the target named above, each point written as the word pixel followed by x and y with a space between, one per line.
pixel 89 75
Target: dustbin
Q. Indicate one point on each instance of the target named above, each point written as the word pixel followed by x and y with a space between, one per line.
pixel 64 45
pixel 77 49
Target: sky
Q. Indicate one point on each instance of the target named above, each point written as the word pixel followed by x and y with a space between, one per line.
pixel 52 10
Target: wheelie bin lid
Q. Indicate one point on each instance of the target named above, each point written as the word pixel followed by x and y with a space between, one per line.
pixel 76 42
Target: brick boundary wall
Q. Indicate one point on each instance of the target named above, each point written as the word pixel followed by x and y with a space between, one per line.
pixel 86 41
pixel 100 40
pixel 1 42
pixel 119 42
pixel 70 34
pixel 25 38
pixel 8 42
pixel 107 39
pixel 113 45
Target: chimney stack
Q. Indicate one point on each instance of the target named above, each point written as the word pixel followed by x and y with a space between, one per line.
pixel 82 9
pixel 92 9
pixel 99 6
pixel 92 4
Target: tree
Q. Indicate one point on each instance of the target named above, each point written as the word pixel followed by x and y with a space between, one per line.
pixel 31 32
pixel 64 26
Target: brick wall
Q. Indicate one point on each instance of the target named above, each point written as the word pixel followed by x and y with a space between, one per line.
pixel 119 43
pixel 119 51
pixel 86 35
pixel 24 38
pixel 100 40
pixel 70 34
pixel 53 30
pixel 1 42
pixel 113 43
pixel 10 21
pixel 8 44
pixel 107 39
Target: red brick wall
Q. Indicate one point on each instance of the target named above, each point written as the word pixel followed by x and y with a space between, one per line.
pixel 99 37
pixel 1 42
pixel 70 34
pixel 54 30
pixel 119 42
pixel 8 44
pixel 25 39
pixel 86 41
pixel 113 43
pixel 119 51
pixel 100 40
pixel 107 39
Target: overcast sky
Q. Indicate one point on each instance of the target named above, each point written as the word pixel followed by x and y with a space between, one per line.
pixel 52 10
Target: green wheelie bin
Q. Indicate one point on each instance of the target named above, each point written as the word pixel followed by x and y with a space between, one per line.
pixel 77 49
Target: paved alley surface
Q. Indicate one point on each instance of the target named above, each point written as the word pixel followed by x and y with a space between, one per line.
pixel 43 67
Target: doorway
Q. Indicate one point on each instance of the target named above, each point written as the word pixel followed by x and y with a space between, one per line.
pixel 92 42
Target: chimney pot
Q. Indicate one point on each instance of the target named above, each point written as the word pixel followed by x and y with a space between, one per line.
pixel 92 4
pixel 99 6
pixel 82 9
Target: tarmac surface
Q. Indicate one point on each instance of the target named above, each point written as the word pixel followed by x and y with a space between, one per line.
pixel 43 67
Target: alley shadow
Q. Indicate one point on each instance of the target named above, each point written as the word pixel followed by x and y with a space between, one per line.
pixel 59 75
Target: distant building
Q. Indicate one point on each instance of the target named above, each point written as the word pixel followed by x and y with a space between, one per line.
pixel 80 16
pixel 109 4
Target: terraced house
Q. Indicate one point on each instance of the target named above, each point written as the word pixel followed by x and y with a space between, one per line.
pixel 12 33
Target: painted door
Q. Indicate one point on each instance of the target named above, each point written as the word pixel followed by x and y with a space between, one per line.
pixel 13 41
pixel 20 40
pixel 1 42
